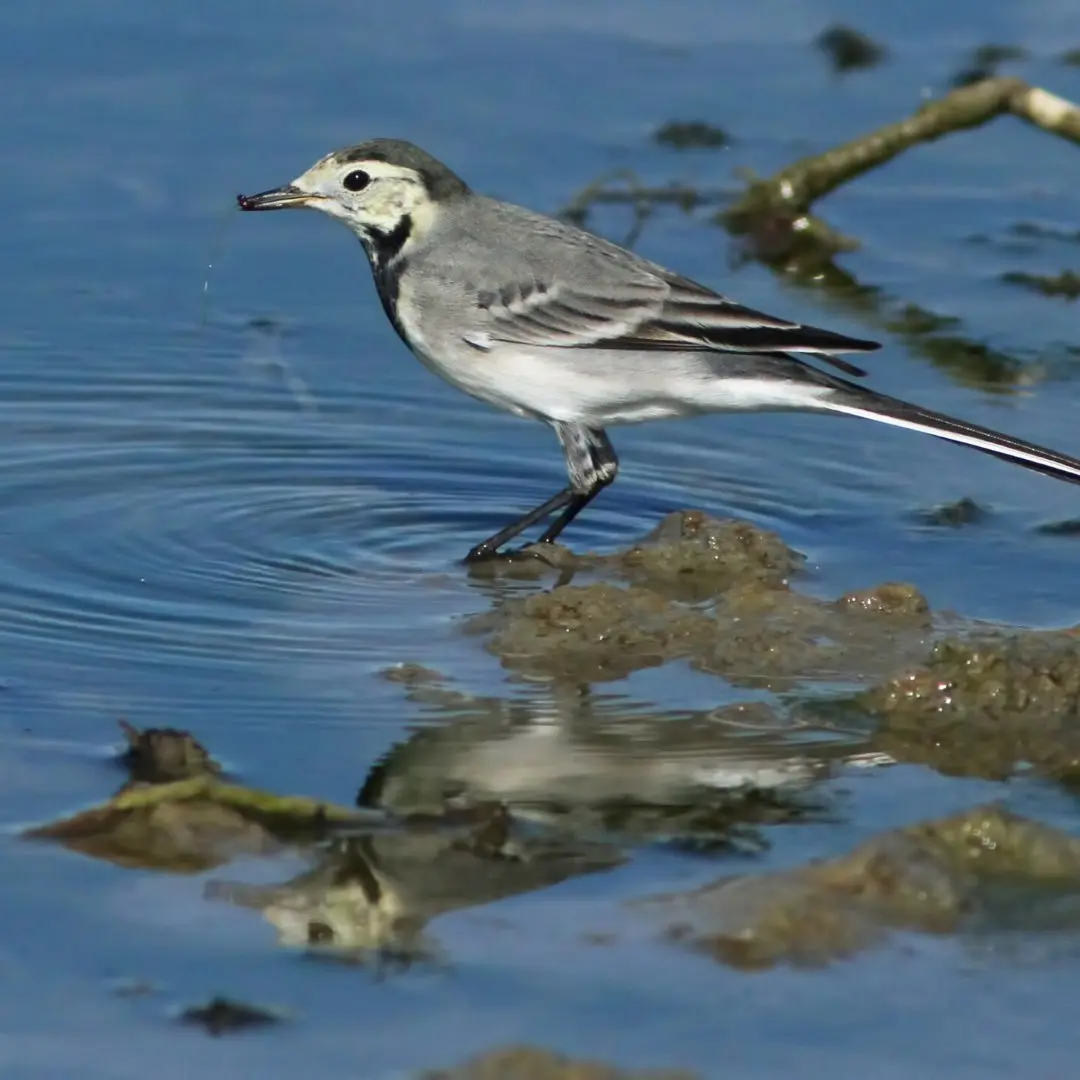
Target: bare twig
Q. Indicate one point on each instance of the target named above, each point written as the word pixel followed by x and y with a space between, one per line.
pixel 796 188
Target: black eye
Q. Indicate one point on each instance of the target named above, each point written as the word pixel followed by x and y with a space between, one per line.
pixel 357 180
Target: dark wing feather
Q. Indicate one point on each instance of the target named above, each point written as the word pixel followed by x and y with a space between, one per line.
pixel 647 309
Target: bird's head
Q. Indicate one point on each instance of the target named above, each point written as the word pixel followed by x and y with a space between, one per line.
pixel 382 188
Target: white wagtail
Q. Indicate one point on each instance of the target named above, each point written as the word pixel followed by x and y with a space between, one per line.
pixel 548 321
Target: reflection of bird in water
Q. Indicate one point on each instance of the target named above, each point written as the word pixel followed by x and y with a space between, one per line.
pixel 376 893
pixel 578 756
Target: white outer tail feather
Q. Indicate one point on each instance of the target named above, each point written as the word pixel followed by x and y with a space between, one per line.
pixel 1005 446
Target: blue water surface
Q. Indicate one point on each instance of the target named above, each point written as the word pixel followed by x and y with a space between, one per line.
pixel 230 498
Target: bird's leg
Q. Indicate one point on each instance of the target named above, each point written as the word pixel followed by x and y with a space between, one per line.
pixel 490 547
pixel 591 465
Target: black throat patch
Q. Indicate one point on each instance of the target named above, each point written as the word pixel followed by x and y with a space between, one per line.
pixel 388 264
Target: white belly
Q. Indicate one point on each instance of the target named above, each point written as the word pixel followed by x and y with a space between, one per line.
pixel 599 388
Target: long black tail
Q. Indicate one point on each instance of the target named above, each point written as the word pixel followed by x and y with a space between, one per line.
pixel 855 401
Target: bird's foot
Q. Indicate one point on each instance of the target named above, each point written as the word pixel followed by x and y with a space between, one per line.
pixel 525 553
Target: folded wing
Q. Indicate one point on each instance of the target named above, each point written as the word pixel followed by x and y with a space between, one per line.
pixel 645 310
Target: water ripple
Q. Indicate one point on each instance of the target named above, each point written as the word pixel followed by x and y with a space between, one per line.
pixel 206 516
pixel 197 509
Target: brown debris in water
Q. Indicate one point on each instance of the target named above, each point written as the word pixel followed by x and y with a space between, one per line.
pixel 594 632
pixel 954 515
pixel 1065 284
pixel 847 49
pixel 984 707
pixel 931 877
pixel 412 674
pixel 533 1063
pixel 191 825
pixel 693 556
pixel 892 598
pixel 160 755
pixel 220 1016
pixel 777 639
pixel 756 632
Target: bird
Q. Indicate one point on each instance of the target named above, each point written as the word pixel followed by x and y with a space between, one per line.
pixel 551 322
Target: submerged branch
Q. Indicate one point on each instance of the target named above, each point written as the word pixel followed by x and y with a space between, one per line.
pixel 794 189
pixel 790 193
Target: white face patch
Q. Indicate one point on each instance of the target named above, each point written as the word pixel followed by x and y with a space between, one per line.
pixel 392 193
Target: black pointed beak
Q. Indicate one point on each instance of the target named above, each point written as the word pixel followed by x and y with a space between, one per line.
pixel 281 198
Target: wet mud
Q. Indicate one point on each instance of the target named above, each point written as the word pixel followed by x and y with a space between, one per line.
pixel 717 594
pixel 937 877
